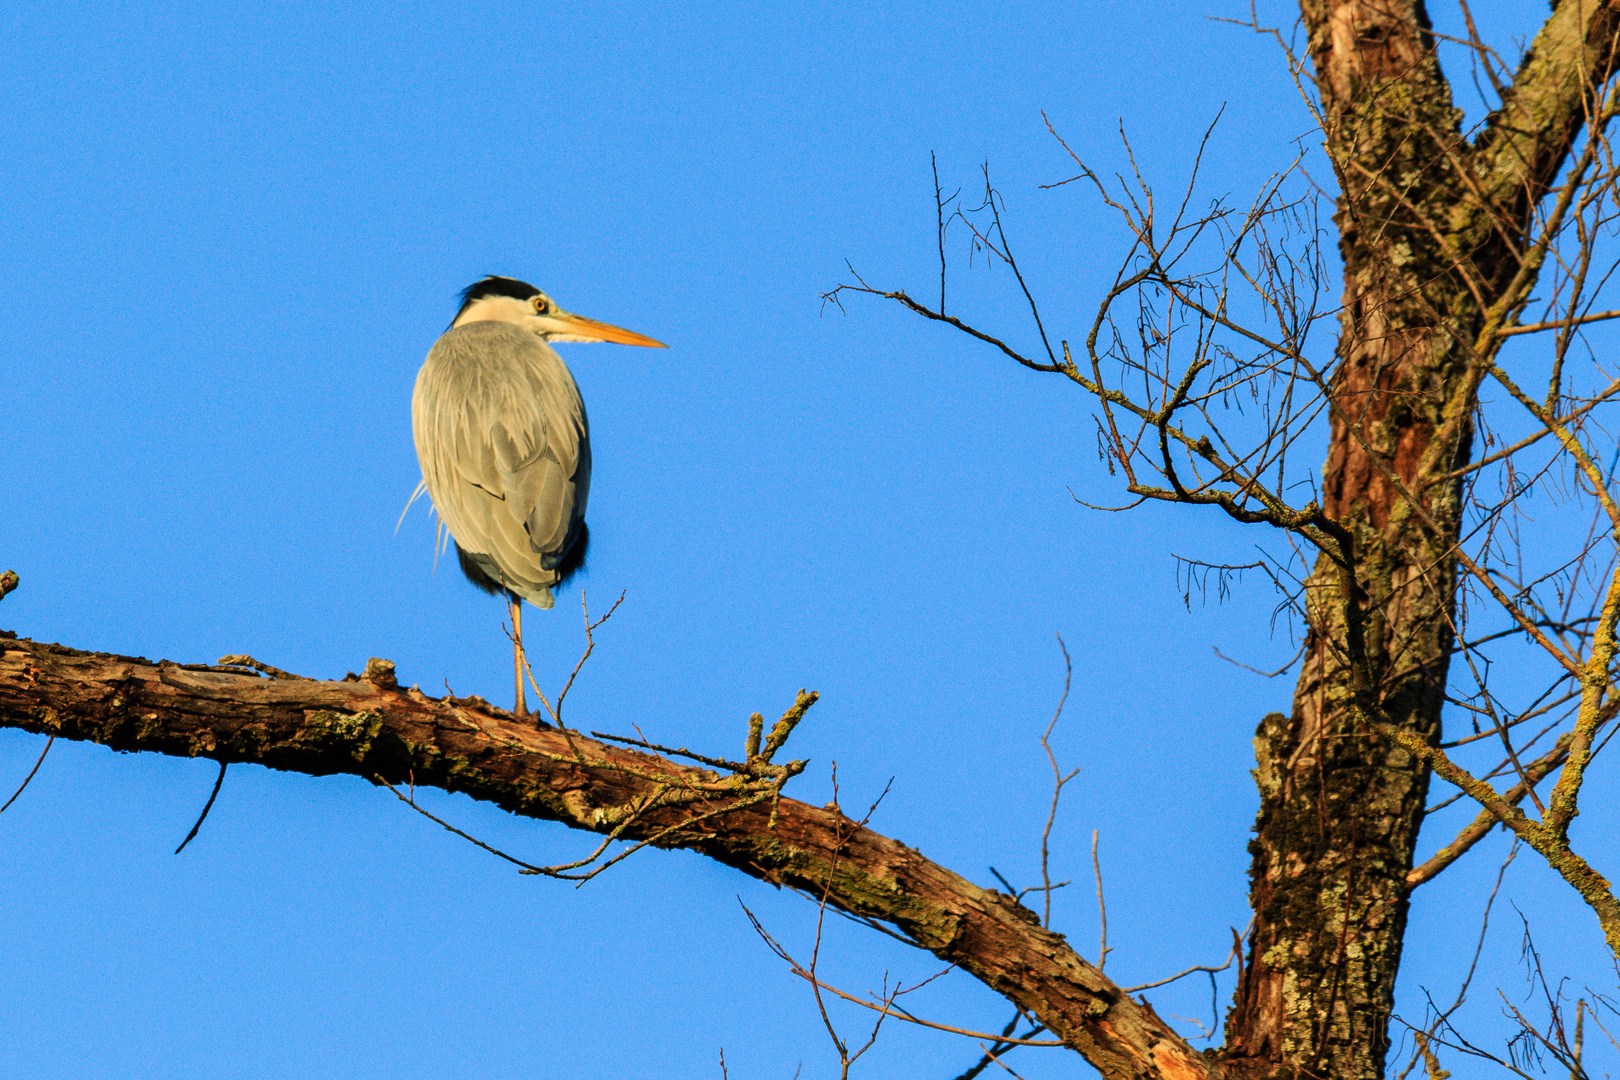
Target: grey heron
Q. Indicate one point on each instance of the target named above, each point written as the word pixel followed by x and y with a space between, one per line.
pixel 504 444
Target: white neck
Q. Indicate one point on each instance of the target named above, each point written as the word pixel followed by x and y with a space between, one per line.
pixel 506 309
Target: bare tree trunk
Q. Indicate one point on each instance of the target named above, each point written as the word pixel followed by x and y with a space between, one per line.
pixel 1432 235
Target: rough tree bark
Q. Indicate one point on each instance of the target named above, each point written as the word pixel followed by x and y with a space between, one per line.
pixel 1433 236
pixel 373 728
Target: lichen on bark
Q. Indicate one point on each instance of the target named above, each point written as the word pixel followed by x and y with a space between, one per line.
pixel 1429 226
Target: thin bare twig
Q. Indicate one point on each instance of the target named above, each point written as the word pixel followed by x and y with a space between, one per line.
pixel 209 805
pixel 804 973
pixel 1102 906
pixel 1059 779
pixel 590 647
pixel 30 775
pixel 992 1054
pixel 411 802
pixel 1558 324
pixel 1237 951
pixel 1265 674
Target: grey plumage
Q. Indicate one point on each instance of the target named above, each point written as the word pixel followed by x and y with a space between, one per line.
pixel 504 444
pixel 505 448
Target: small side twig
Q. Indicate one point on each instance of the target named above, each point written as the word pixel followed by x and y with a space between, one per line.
pixel 240 660
pixel 1579 1070
pixel 209 805
pixel 805 974
pixel 590 647
pixel 675 751
pixel 411 802
pixel 992 1054
pixel 1102 905
pixel 1059 779
pixel 1237 950
pixel 31 772
pixel 1265 674
pixel 784 727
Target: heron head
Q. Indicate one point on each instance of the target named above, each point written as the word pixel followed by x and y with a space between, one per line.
pixel 503 299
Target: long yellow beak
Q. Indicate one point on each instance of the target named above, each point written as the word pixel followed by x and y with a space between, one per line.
pixel 583 329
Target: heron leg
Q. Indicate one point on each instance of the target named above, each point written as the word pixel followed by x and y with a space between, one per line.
pixel 516 608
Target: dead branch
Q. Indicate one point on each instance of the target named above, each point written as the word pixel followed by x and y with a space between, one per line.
pixel 465 745
pixel 30 776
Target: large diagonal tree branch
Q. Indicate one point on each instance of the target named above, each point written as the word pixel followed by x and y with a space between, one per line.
pixel 374 729
pixel 1552 97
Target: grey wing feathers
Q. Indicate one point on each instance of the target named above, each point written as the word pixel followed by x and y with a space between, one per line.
pixel 505 449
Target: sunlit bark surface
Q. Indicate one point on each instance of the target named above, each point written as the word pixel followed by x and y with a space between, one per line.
pixel 373 728
pixel 1431 235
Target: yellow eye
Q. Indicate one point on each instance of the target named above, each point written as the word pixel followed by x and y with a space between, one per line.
pixel 540 305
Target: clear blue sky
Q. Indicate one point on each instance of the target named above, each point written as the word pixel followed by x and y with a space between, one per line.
pixel 231 233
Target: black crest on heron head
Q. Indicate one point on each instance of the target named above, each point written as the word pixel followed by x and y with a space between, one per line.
pixel 497 286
